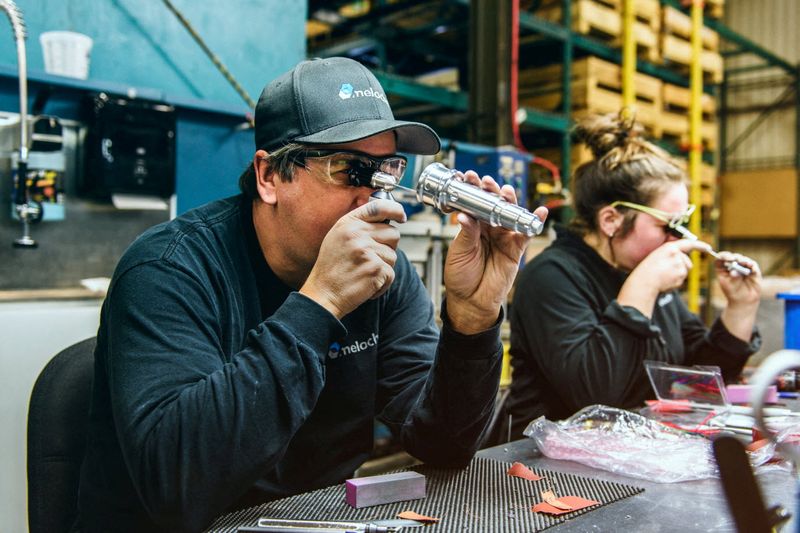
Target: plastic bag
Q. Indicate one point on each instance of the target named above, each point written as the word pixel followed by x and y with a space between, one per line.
pixel 629 444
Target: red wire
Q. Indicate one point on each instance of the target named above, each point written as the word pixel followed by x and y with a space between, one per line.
pixel 549 165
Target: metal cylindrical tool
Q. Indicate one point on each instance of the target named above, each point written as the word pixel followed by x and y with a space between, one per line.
pixel 278 525
pixel 445 190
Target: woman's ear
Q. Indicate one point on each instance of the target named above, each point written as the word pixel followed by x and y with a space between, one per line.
pixel 265 178
pixel 609 221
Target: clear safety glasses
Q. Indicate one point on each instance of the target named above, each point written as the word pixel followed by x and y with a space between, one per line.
pixel 675 222
pixel 352 168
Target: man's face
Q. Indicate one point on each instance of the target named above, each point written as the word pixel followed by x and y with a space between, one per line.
pixel 307 207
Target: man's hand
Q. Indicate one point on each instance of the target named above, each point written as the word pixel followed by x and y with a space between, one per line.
pixel 481 265
pixel 356 259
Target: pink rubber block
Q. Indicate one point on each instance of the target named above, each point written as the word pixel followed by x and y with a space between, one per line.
pixel 387 488
pixel 741 393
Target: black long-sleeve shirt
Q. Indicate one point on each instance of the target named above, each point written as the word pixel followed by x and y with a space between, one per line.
pixel 217 386
pixel 574 345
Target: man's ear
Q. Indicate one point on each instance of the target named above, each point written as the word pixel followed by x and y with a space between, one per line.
pixel 265 178
pixel 609 220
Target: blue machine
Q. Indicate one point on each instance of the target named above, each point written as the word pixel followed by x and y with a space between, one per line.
pixel 505 164
pixel 791 327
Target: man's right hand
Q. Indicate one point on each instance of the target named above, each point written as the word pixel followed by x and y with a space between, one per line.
pixel 356 259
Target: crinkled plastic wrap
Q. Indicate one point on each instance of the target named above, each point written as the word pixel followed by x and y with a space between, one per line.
pixel 629 444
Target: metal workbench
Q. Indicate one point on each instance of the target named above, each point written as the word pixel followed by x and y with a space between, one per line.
pixel 662 507
pixel 482 499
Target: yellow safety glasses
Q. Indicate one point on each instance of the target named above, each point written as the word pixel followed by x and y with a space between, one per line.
pixel 676 222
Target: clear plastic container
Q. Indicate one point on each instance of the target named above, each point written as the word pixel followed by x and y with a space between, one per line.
pixel 66 53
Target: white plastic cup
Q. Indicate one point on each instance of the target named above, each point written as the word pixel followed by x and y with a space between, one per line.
pixel 66 53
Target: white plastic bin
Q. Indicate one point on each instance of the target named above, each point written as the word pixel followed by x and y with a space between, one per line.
pixel 66 53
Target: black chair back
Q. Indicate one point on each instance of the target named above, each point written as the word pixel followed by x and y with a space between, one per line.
pixel 58 418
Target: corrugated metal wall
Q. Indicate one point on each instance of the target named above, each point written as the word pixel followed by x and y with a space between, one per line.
pixel 772 24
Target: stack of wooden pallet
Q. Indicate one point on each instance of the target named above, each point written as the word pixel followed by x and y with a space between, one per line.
pixel 715 8
pixel 675 117
pixel 602 19
pixel 595 87
pixel 676 48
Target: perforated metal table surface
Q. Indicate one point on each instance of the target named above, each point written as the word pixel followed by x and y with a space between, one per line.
pixel 693 506
pixel 697 506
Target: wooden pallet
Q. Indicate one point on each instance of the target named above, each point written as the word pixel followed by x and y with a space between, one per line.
pixel 678 23
pixel 601 19
pixel 579 154
pixel 316 29
pixel 445 77
pixel 675 116
pixel 596 87
pixel 715 8
pixel 676 47
pixel 648 12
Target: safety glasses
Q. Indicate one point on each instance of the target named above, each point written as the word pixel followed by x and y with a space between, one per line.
pixel 675 222
pixel 353 168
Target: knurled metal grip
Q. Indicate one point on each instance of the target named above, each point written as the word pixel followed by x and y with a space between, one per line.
pixel 444 189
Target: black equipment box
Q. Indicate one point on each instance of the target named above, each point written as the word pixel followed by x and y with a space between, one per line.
pixel 129 147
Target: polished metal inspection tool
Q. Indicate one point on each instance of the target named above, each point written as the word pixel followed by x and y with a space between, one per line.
pixel 445 190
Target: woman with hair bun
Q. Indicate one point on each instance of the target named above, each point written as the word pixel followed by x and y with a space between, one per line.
pixel 603 297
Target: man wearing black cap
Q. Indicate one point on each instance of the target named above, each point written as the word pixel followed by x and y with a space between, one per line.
pixel 246 347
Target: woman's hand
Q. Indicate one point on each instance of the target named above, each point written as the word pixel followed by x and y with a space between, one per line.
pixel 664 269
pixel 737 288
pixel 742 292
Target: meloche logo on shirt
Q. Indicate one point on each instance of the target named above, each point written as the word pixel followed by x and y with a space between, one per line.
pixel 337 350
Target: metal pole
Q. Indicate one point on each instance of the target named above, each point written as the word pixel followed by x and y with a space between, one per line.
pixel 796 262
pixel 489 72
pixel 628 59
pixel 566 94
pixel 695 146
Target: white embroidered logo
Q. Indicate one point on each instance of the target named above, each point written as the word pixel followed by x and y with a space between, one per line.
pixel 346 91
pixel 336 350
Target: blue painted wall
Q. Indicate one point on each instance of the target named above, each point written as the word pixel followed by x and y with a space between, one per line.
pixel 140 47
pixel 142 44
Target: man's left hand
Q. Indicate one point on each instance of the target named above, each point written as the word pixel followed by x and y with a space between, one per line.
pixel 482 262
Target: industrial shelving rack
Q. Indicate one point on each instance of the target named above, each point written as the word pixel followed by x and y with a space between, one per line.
pixel 571 41
pixel 571 44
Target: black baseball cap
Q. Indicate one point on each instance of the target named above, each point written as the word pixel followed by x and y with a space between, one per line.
pixel 332 101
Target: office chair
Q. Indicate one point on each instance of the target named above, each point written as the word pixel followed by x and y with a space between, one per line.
pixel 58 417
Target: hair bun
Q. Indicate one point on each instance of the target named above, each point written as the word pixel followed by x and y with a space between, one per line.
pixel 603 133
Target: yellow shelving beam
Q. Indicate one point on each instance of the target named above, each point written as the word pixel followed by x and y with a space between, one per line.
pixel 695 146
pixel 628 58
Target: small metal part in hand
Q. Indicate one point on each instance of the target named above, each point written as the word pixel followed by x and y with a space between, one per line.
pixel 732 266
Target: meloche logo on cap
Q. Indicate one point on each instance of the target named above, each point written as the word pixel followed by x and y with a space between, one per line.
pixel 346 91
